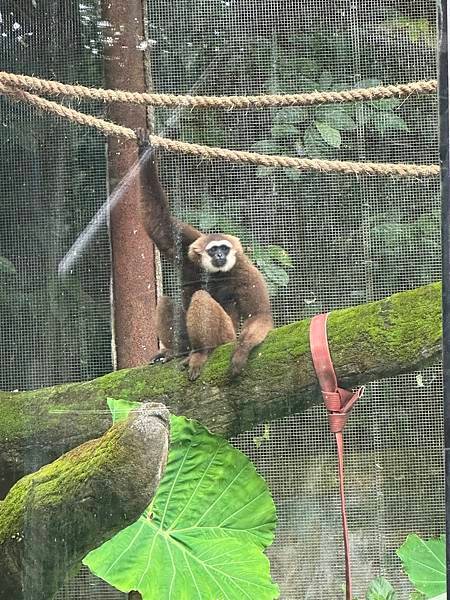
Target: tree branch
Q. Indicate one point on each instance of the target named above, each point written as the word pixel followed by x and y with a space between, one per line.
pixel 51 519
pixel 367 342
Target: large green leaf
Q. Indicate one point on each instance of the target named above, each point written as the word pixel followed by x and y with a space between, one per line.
pixel 280 255
pixel 267 147
pixel 203 535
pixel 424 563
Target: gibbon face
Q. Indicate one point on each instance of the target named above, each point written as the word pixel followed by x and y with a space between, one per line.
pixel 215 253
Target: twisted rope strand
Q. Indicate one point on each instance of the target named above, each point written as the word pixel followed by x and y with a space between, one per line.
pixel 56 88
pixel 301 164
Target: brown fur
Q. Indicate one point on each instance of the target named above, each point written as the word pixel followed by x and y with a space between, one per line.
pixel 213 305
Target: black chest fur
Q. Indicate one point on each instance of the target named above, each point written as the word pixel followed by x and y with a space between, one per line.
pixel 221 288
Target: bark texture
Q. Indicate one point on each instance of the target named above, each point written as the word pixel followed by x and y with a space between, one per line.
pixel 52 518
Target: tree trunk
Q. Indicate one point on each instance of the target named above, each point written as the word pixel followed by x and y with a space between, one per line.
pixel 51 519
pixel 367 342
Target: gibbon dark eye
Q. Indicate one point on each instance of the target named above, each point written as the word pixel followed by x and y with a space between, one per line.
pixel 225 249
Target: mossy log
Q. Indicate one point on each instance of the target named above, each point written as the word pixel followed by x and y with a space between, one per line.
pixel 367 342
pixel 52 518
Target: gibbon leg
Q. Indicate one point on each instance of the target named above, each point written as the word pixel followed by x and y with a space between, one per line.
pixel 171 329
pixel 254 331
pixel 208 326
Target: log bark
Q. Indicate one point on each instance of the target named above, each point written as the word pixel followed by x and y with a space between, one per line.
pixel 52 518
pixel 399 334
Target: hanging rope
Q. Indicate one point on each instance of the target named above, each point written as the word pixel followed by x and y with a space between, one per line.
pixel 55 88
pixel 208 152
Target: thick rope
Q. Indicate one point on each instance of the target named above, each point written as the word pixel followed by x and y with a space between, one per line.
pixel 55 88
pixel 301 164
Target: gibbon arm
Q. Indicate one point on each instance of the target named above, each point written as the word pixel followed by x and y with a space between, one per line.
pixel 255 309
pixel 166 232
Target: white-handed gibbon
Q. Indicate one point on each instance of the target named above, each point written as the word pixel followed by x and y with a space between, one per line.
pixel 221 288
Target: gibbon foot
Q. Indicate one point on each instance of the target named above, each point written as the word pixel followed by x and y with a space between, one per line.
pixel 238 362
pixel 196 361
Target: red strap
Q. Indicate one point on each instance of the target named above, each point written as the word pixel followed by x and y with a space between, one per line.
pixel 338 402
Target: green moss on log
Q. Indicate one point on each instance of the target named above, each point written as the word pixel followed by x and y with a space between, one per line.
pixel 371 341
pixel 52 518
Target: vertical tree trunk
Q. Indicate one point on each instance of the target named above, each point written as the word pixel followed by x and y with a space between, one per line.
pixel 134 286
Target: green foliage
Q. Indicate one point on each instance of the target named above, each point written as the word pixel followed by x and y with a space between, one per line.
pixel 424 563
pixel 313 144
pixel 265 437
pixel 329 134
pixel 322 131
pixel 418 30
pixel 120 409
pixel 416 241
pixel 204 534
pixel 381 589
pixel 337 116
pixel 202 127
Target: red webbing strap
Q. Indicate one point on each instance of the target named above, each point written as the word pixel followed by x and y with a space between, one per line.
pixel 338 403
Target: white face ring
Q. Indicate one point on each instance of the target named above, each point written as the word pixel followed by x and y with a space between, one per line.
pixel 219 243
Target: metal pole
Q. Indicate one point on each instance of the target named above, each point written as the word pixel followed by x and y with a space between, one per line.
pixel 443 14
pixel 133 261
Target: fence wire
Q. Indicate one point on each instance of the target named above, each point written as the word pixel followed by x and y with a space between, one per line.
pixel 348 240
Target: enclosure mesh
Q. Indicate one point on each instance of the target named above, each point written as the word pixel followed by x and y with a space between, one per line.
pixel 54 327
pixel 350 240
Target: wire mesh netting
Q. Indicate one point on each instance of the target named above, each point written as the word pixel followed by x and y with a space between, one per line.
pixel 344 240
pixel 53 179
pixel 350 241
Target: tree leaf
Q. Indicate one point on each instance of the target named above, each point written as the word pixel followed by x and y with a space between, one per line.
pixel 266 147
pixel 283 130
pixel 424 563
pixel 325 80
pixel 6 266
pixel 120 408
pixel 367 83
pixel 313 143
pixel 203 535
pixel 380 589
pixel 207 221
pixel 338 117
pixel 275 273
pixel 293 174
pixel 291 116
pixel 330 135
pixel 280 255
pixel 382 121
pixel 363 112
pixel 386 103
pixel 265 171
